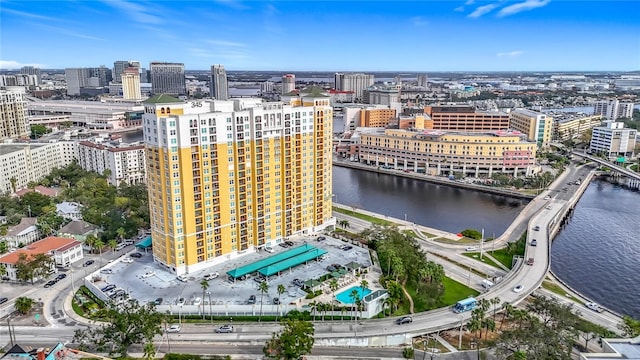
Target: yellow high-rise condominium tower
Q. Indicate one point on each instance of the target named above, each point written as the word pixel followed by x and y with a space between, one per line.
pixel 228 177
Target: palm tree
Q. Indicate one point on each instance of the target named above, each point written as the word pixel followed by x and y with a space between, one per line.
pixel 112 244
pixel 488 324
pixel 474 325
pixel 90 240
pixel 333 285
pixel 355 297
pixel 345 224
pixel 23 304
pixel 3 270
pixel 99 244
pixel 363 285
pixel 314 308
pixel 494 301
pixel 13 182
pixel 508 311
pixel 204 284
pixel 281 289
pixel 263 287
pixel 386 304
pixel 121 232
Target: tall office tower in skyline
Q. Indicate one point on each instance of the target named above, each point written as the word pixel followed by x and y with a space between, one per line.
pixel 13 115
pixel 353 82
pixel 131 84
pixel 228 177
pixel 76 78
pixel 288 83
pixel 167 78
pixel 423 80
pixel 120 66
pixel 613 109
pixel 218 86
pixel 30 70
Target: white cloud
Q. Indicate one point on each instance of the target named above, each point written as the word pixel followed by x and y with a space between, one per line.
pixel 137 11
pixel 225 43
pixel 510 53
pixel 481 10
pixel 232 4
pixel 12 64
pixel 469 2
pixel 29 15
pixel 459 9
pixel 523 6
pixel 419 21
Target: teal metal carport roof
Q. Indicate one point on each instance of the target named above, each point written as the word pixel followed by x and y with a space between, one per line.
pixel 257 265
pixel 292 262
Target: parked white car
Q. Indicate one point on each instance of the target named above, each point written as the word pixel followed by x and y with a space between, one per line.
pixel 197 301
pixel 211 276
pixel 182 278
pixel 127 260
pixel 147 274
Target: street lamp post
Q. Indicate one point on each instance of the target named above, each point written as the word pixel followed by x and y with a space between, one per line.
pixel 180 315
pixel 210 312
pixel 460 335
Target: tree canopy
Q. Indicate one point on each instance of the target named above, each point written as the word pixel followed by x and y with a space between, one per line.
pixel 294 340
pixel 126 324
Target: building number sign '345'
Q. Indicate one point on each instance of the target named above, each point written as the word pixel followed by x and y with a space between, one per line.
pixel 196 104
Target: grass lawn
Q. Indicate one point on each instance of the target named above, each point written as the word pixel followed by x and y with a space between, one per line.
pixel 364 217
pixel 557 289
pixel 427 234
pixel 454 292
pixel 485 259
pixel 502 256
pixel 462 240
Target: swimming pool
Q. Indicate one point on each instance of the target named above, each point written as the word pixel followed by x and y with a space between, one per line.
pixel 345 296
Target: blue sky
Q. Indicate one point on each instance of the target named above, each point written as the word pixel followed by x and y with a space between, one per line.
pixel 466 35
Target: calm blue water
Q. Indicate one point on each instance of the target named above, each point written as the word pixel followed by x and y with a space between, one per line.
pixel 345 296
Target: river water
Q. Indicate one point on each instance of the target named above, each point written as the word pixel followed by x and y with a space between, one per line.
pixel 597 253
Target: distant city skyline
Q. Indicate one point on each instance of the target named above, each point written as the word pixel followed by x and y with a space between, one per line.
pixel 415 36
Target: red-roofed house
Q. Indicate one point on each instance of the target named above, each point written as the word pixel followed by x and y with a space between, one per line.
pixel 64 251
pixel 47 191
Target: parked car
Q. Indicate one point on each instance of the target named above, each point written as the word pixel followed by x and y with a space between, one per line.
pixel 290 243
pixel 347 247
pixel 547 197
pixel 518 288
pixel 284 245
pixel 49 284
pixel 534 242
pixel 197 301
pixel 106 271
pixel 530 261
pixel 175 328
pixel 136 255
pixel 108 288
pixel 182 278
pixel 298 282
pixel 3 300
pixel 88 262
pixel 536 228
pixel 252 300
pixel 321 238
pixel 211 276
pixel 471 248
pixel 224 329
pixel 147 274
pixel 404 320
pixel 61 276
pixel 158 301
pixel 276 301
pixel 128 242
pixel 268 249
pixel 331 268
pixel 127 260
pixel 548 207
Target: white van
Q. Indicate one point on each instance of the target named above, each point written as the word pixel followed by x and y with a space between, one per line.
pixel 121 246
pixel 487 284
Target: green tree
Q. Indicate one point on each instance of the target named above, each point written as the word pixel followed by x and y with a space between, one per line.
pixel 3 271
pixel 149 351
pixel 24 304
pixel 90 240
pixel 588 331
pixel 99 245
pixel 112 244
pixel 37 130
pixel 204 285
pixel 333 285
pixel 629 326
pixel 121 233
pixel 293 341
pixel 13 182
pixel 281 290
pixel 263 287
pixel 409 353
pixel 126 324
pixel 3 247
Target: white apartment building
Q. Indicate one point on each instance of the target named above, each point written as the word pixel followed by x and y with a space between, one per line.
pixel 377 95
pixel 32 162
pixel 125 162
pixel 613 139
pixel 18 80
pixel 613 109
pixel 353 82
pixel 24 233
pixel 13 115
pixel 288 83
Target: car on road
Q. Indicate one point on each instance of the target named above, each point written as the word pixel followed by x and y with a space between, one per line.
pixel 284 245
pixel 182 278
pixel 404 320
pixel 347 247
pixel 268 249
pixel 197 301
pixel 50 283
pixel 565 189
pixel 147 274
pixel 548 207
pixel 158 301
pixel 593 306
pixel 547 197
pixel 290 243
pixel 321 238
pixel 106 271
pixel 211 276
pixel 88 262
pixel 530 261
pixel 536 228
pixel 224 329
pixel 127 260
pixel 518 288
pixel 61 276
pixel 3 300
pixel 534 242
pixel 276 301
pixel 471 248
pixel 136 255
pixel 180 301
pixel 298 282
pixel 252 300
pixel 175 328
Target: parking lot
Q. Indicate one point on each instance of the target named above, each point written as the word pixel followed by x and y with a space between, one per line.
pixel 145 281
